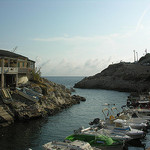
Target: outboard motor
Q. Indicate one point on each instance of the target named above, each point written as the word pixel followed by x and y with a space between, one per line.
pixel 118 114
pixel 128 103
pixel 123 106
pixel 78 130
pixel 134 115
pixel 95 121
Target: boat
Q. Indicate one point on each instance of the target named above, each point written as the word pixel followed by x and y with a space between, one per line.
pixel 140 104
pixel 110 133
pixel 100 141
pixel 120 127
pixel 29 94
pixel 142 112
pixel 75 145
pixel 134 112
pixel 135 100
pixel 135 123
pixel 6 96
pixel 129 115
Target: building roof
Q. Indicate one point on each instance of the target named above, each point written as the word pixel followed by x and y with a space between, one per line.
pixel 6 53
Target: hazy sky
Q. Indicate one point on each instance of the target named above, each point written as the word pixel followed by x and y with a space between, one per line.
pixel 75 37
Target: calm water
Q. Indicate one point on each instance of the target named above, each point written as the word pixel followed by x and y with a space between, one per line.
pixel 33 134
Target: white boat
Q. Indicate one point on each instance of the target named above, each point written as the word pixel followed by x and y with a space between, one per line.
pixel 135 123
pixel 137 112
pixel 142 105
pixel 129 115
pixel 141 115
pixel 95 131
pixel 142 112
pixel 75 145
pixel 120 127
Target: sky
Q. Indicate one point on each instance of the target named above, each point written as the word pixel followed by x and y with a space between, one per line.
pixel 75 37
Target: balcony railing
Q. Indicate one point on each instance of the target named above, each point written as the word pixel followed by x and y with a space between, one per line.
pixel 9 70
pixel 14 70
pixel 22 70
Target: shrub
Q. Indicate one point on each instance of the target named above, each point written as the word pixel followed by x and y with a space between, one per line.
pixel 36 74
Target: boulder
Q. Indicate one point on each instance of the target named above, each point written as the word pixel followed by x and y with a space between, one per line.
pixel 78 98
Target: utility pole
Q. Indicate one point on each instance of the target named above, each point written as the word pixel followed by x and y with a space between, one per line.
pixel 145 51
pixel 137 56
pixel 134 55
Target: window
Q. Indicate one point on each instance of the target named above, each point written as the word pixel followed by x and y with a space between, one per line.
pixel 31 65
pixel 5 62
pixel 13 63
pixel 19 64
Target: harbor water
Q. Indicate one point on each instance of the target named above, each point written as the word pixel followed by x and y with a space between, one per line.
pixel 34 133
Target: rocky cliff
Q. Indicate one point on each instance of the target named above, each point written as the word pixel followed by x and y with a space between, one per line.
pixel 54 98
pixel 121 77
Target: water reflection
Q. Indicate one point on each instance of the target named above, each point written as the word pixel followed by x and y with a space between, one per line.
pixel 134 144
pixel 21 135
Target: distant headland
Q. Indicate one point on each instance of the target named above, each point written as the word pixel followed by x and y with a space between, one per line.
pixel 123 76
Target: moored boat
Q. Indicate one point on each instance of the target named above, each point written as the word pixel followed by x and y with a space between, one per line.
pixel 75 145
pixel 110 133
pixel 121 128
pixel 135 123
pixel 100 141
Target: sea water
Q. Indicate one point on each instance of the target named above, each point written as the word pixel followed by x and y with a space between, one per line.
pixel 34 133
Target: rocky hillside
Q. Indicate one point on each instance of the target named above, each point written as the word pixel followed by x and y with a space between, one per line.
pixel 53 99
pixel 121 77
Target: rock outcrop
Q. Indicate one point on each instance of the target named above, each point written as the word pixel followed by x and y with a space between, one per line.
pixel 54 98
pixel 121 77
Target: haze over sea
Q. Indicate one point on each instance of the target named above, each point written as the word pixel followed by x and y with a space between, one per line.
pixel 33 134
